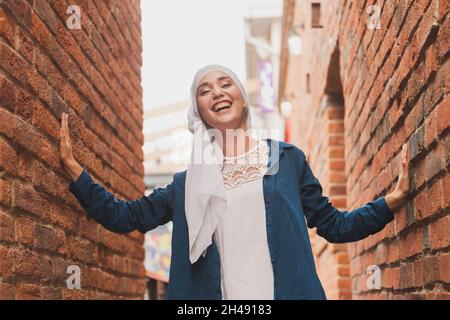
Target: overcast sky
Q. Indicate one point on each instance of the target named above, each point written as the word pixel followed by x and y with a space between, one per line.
pixel 180 36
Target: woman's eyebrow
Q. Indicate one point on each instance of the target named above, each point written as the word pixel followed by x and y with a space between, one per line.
pixel 219 79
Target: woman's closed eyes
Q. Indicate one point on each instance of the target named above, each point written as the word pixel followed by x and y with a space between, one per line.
pixel 224 86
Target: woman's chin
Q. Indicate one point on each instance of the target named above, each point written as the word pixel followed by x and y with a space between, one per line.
pixel 225 119
pixel 228 125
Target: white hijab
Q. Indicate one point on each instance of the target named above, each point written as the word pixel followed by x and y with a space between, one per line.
pixel 205 198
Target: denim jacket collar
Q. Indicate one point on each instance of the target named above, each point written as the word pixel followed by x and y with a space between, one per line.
pixel 276 150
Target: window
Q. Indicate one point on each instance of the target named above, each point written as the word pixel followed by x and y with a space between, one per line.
pixel 315 15
pixel 308 83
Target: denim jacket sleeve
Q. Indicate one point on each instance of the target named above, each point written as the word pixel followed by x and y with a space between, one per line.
pixel 143 214
pixel 334 225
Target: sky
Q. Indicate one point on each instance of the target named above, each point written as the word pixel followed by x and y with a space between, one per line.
pixel 180 36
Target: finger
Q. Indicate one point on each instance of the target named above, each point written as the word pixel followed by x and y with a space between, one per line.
pixel 62 133
pixel 67 124
pixel 405 154
pixel 67 130
pixel 61 129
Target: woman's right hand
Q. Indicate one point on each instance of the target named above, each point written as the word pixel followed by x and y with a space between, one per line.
pixel 72 167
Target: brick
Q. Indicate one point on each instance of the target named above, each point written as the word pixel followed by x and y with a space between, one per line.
pixel 428 202
pixel 43 9
pixel 59 271
pixel 24 134
pixel 87 228
pixel 430 128
pixel 443 37
pixel 50 293
pixel 7 227
pixel 94 75
pixel 393 251
pixel 401 219
pixel 33 170
pixel 443 115
pixel 390 278
pixel 5 192
pixel 40 117
pixel 121 264
pixel 50 239
pixel 342 258
pixel 68 294
pixel 411 244
pixel 24 45
pixel 434 162
pixel 137 268
pixel 106 256
pixel 26 291
pixel 32 265
pixel 63 217
pixel 136 235
pixel 7 94
pixel 25 231
pixel 135 248
pixel 111 240
pixel 438 296
pixel 418 273
pixel 82 249
pixel 406 276
pixel 28 199
pixel 13 63
pixel 444 267
pixel 21 10
pixel 107 282
pixel 435 91
pixel 7 291
pixel 446 190
pixel 7 27
pixel 430 270
pixel 424 31
pixel 45 66
pixel 6 263
pixel 440 233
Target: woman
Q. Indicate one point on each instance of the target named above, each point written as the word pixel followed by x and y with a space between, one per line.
pixel 239 229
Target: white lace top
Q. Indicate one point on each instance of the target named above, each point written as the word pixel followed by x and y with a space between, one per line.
pixel 246 167
pixel 240 235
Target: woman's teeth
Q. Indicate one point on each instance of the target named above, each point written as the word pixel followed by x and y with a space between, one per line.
pixel 222 106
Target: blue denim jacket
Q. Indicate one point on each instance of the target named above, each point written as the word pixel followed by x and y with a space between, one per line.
pixel 293 200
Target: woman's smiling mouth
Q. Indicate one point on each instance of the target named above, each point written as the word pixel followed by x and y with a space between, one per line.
pixel 221 106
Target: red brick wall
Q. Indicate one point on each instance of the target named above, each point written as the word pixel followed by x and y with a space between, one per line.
pixel 394 84
pixel 93 73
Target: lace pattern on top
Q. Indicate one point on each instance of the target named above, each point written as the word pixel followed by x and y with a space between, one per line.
pixel 246 167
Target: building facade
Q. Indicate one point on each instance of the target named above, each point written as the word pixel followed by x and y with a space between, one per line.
pixel 84 60
pixel 363 78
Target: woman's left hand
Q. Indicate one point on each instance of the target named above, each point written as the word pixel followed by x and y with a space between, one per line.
pixel 397 197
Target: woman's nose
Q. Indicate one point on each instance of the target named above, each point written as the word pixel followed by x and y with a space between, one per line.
pixel 216 92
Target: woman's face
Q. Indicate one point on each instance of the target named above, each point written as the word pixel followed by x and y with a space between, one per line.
pixel 220 102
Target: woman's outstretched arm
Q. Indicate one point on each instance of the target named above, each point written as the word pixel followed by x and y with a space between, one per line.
pixel 348 226
pixel 143 214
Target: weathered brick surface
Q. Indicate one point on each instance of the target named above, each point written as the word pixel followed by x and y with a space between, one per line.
pixel 94 75
pixel 370 91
